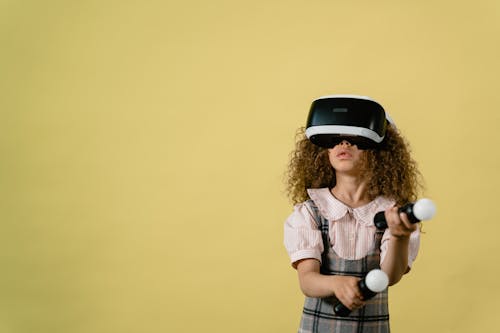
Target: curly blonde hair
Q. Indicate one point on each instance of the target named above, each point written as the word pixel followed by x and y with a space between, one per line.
pixel 390 171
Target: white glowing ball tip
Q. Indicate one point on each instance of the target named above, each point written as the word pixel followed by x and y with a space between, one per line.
pixel 424 209
pixel 376 280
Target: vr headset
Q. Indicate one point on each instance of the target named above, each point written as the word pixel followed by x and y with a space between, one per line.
pixel 357 119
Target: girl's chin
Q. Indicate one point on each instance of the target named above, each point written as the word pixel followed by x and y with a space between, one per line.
pixel 344 168
pixel 344 165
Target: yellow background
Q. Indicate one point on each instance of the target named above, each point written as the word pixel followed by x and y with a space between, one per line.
pixel 143 145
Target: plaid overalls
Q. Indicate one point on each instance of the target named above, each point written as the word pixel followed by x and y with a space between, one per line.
pixel 318 315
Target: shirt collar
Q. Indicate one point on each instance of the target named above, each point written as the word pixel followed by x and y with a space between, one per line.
pixel 333 209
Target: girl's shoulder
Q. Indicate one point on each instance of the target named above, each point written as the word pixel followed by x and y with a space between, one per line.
pixel 304 215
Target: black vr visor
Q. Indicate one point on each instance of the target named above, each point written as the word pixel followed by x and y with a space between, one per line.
pixel 357 119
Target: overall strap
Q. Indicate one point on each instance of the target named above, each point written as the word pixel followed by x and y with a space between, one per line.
pixel 378 239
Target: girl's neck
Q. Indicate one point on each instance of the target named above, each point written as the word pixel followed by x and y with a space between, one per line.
pixel 351 191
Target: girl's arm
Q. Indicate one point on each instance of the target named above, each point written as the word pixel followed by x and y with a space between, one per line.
pixel 315 284
pixel 395 263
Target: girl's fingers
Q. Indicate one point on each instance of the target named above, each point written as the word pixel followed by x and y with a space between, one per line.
pixel 391 216
pixel 398 223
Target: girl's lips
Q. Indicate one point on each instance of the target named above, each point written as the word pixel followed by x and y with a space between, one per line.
pixel 344 154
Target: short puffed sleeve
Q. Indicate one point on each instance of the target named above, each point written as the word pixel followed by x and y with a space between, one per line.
pixel 302 238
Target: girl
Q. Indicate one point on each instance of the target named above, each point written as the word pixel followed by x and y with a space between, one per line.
pixel 330 236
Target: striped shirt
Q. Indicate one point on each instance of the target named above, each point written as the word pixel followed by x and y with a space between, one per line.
pixel 351 230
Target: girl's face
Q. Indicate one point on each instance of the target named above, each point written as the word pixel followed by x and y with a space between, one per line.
pixel 346 158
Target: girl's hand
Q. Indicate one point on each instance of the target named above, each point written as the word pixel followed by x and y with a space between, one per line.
pixel 398 223
pixel 347 291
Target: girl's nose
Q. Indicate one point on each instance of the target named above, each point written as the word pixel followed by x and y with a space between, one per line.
pixel 345 142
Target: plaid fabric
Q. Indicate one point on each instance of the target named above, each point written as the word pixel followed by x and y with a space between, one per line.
pixel 318 315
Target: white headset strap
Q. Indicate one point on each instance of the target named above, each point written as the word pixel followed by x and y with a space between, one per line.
pixel 390 120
